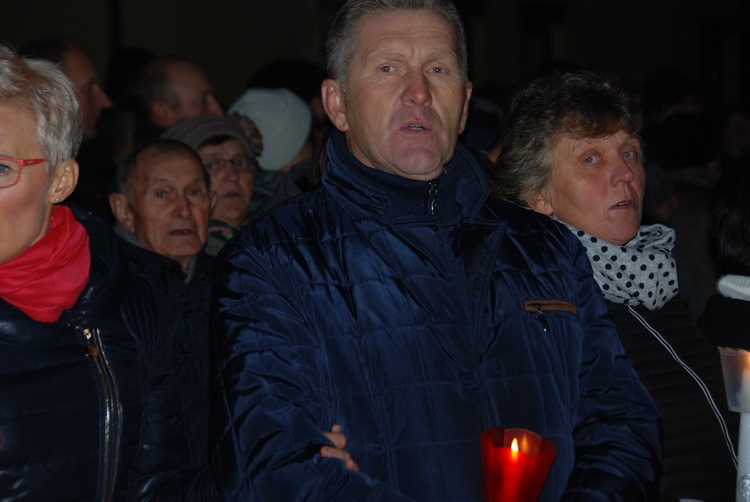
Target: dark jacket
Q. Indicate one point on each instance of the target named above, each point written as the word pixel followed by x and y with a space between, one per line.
pixel 188 302
pixel 85 405
pixel 698 462
pixel 416 315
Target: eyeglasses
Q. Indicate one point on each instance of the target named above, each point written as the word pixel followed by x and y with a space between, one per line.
pixel 241 164
pixel 10 169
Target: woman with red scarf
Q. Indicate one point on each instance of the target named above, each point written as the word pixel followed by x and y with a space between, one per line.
pixel 82 391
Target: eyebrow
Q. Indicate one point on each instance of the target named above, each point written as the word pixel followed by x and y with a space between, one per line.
pixel 172 180
pixel 435 54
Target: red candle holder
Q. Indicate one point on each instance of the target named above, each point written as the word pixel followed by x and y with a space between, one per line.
pixel 515 464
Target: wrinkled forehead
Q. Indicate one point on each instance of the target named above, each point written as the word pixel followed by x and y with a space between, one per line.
pixel 229 146
pixel 78 66
pixel 382 30
pixel 188 76
pixel 176 166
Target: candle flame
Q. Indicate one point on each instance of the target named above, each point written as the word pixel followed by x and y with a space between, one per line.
pixel 514 445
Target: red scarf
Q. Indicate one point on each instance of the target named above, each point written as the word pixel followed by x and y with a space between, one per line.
pixel 49 276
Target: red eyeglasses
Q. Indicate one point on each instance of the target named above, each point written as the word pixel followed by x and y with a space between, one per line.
pixel 10 169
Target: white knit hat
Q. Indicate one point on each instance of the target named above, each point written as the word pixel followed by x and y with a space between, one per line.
pixel 283 120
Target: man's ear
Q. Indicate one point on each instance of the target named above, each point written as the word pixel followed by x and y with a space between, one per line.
pixel 122 211
pixel 64 180
pixel 465 114
pixel 333 104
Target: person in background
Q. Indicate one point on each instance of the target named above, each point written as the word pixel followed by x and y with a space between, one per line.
pixel 78 66
pixel 229 157
pixel 284 122
pixel 727 313
pixel 95 156
pixel 399 300
pixel 572 151
pixel 303 78
pixel 170 88
pixel 86 410
pixel 162 205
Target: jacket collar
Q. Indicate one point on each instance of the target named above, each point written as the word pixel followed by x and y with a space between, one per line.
pixel 460 191
pixel 160 266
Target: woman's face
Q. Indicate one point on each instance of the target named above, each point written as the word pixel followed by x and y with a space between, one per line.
pixel 233 186
pixel 596 185
pixel 25 207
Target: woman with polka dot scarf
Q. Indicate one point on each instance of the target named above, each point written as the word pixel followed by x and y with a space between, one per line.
pixel 572 150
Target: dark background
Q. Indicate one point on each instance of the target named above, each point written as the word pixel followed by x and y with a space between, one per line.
pixel 706 40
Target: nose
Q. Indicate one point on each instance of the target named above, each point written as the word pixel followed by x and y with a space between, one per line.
pixel 417 91
pixel 181 207
pixel 101 99
pixel 231 172
pixel 624 170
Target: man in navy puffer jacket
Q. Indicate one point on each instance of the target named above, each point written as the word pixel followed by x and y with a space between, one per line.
pixel 400 301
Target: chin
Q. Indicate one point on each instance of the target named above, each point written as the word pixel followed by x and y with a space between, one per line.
pixel 420 171
pixel 231 214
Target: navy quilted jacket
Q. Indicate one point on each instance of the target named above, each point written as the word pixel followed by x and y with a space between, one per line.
pixel 417 314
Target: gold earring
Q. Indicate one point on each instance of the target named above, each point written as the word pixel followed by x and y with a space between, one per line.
pixel 57 200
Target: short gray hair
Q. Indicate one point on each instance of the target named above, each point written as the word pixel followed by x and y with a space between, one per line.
pixel 41 88
pixel 129 163
pixel 561 98
pixel 341 37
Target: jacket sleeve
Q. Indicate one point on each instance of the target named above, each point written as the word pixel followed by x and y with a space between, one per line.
pixel 618 433
pixel 268 407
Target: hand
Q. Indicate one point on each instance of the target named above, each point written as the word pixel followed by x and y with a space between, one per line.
pixel 339 441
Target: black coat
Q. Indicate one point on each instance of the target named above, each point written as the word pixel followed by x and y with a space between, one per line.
pixel 86 411
pixel 697 462
pixel 725 322
pixel 188 303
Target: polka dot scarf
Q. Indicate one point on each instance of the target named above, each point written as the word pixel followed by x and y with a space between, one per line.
pixel 642 272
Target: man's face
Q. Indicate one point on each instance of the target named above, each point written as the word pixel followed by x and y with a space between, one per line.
pixel 91 97
pixel 169 205
pixel 406 100
pixel 193 93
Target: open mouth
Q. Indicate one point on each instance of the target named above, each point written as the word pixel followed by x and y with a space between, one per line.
pixel 624 204
pixel 416 127
pixel 180 232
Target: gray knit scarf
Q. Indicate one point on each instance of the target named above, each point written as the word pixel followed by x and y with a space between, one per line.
pixel 642 272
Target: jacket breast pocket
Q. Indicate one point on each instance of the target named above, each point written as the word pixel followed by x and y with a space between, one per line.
pixel 541 308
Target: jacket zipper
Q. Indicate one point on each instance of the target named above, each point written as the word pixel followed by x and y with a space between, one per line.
pixel 432 198
pixel 540 306
pixel 112 409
